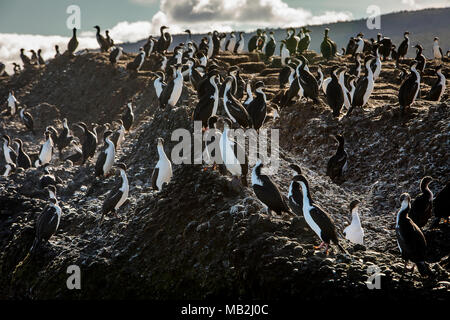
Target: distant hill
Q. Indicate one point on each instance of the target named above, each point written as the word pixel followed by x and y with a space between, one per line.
pixel 423 26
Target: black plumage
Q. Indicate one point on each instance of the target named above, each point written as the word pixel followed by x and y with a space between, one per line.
pixel 316 217
pixel 233 107
pixel 8 151
pixel 270 46
pixel 295 195
pixel 104 45
pixel 335 96
pixel 89 143
pixel 115 54
pixel 308 82
pixel 438 88
pixel 23 160
pixel 267 191
pixel 46 224
pixel 410 239
pixel 208 99
pixel 47 179
pixel 285 73
pixel 420 58
pixel 164 40
pixel 64 137
pixel 422 206
pixel 128 117
pixel 27 120
pixel 73 42
pixel 338 162
pixel 257 109
pixel 409 88
pixel 402 48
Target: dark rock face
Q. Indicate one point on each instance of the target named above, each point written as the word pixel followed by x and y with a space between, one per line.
pixel 199 237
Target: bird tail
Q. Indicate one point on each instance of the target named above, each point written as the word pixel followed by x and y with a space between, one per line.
pixel 424 269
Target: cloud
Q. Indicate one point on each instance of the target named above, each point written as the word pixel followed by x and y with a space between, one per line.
pixel 243 14
pixel 11 43
pixel 422 4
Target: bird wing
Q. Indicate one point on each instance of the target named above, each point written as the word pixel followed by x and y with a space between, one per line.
pixel 270 195
pixel 155 178
pixel 165 94
pixel 99 164
pixel 112 199
pixel 326 225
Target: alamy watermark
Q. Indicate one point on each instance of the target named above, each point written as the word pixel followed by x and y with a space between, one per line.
pixel 374 18
pixel 374 279
pixel 74 18
pixel 74 280
pixel 221 149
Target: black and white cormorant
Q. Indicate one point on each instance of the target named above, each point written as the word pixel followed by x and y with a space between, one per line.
pixel 41 60
pixel 64 137
pixel 292 41
pixel 8 152
pixel 57 54
pixel 117 196
pixel 231 42
pixel 23 160
pixel 271 45
pixel 47 178
pixel 287 74
pixel 385 45
pixel 89 143
pixel 172 92
pixel 328 47
pixel 149 46
pixel 128 117
pixel 316 217
pixel 249 98
pixel 334 93
pixel 422 205
pixel 73 42
pixel 409 89
pixel 138 61
pixel 410 239
pixel 364 87
pixel 108 39
pixel 338 163
pixel 267 191
pixel 25 59
pixel 162 173
pixel 105 159
pixel 77 156
pixel 437 90
pixel 233 154
pixel 46 150
pixel 308 81
pixel 27 119
pixel 437 51
pixel 295 195
pixel 403 48
pixel 7 169
pixel 34 58
pixel 354 232
pixel 159 83
pixel 208 102
pixel 164 40
pixel 12 103
pixel 304 42
pixel 46 224
pixel 253 42
pixel 239 47
pixel 115 54
pixel 233 107
pixel 257 108
pixel 104 45
pixel 420 58
pixel 284 53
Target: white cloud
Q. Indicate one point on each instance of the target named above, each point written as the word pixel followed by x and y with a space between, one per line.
pixel 11 43
pixel 422 4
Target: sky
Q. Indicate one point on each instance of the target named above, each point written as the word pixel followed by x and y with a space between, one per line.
pixel 42 24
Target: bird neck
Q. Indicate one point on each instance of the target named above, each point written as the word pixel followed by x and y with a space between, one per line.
pixel 123 175
pixel 403 212
pixel 161 153
pixel 306 195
